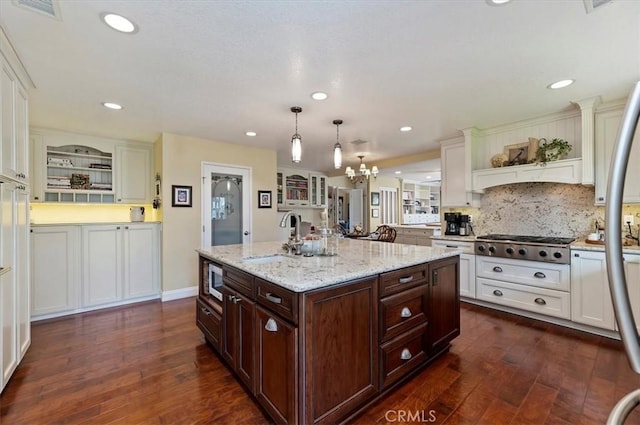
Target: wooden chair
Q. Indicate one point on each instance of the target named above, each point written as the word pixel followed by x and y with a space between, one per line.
pixel 386 233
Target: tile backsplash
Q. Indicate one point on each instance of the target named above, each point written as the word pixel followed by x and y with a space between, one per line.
pixel 540 209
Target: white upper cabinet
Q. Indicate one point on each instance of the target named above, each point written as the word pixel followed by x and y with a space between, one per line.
pixel 607 122
pixel 133 174
pixel 79 168
pixel 456 173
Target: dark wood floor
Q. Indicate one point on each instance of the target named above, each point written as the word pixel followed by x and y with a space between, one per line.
pixel 148 364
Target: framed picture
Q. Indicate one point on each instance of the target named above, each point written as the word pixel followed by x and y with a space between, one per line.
pixel 519 153
pixel 180 196
pixel 264 199
pixel 375 199
pixel 375 213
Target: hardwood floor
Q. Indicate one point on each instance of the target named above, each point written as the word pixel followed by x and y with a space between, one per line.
pixel 147 363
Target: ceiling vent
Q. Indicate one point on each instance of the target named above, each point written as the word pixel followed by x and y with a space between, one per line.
pixel 358 142
pixel 49 8
pixel 592 5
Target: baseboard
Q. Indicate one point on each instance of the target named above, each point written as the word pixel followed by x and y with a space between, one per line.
pixel 176 294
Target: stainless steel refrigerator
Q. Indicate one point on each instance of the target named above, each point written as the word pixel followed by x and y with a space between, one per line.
pixel 613 247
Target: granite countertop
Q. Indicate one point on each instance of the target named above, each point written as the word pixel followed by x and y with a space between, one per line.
pixel 355 259
pixel 582 245
pixel 81 223
pixel 418 226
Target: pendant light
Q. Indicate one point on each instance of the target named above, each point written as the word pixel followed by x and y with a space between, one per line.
pixel 296 140
pixel 337 149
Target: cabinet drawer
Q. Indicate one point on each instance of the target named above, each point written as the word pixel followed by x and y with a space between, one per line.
pixel 524 297
pixel 403 311
pixel 533 273
pixel 210 323
pixel 403 354
pixel 277 299
pixel 466 247
pixel 399 280
pixel 239 280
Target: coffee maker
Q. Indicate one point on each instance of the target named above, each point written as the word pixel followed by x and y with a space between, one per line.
pixel 453 223
pixel 465 227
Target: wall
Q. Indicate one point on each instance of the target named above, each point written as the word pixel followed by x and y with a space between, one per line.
pixel 540 209
pixel 44 213
pixel 182 157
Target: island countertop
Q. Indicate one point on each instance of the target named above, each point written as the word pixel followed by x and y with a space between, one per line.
pixel 298 273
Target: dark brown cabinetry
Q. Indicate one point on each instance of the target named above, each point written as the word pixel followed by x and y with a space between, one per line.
pixel 444 302
pixel 277 366
pixel 340 350
pixel 237 333
pixel 208 308
pixel 320 356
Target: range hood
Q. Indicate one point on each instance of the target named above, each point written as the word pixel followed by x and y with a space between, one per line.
pixel 562 171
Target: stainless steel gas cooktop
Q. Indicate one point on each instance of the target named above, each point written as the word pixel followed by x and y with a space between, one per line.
pixel 523 247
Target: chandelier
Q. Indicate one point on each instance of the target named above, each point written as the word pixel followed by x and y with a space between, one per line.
pixel 363 170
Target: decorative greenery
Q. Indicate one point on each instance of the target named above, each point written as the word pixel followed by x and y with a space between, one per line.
pixel 552 151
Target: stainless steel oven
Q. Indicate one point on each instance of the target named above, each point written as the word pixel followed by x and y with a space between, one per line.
pixel 215 280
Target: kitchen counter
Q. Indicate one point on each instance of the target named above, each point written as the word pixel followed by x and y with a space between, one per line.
pixel 455 238
pixel 355 259
pixel 82 223
pixel 582 245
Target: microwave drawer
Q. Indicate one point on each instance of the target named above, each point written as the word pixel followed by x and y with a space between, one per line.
pixel 524 297
pixel 533 273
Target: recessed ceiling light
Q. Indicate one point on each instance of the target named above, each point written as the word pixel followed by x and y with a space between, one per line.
pixel 119 23
pixel 560 84
pixel 497 2
pixel 398 172
pixel 111 105
pixel 251 133
pixel 318 95
pixel 428 177
pixel 406 128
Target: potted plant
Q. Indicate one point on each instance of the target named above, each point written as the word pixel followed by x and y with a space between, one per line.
pixel 552 151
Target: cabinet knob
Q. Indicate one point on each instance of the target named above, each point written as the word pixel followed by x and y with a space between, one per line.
pixel 118 228
pixel 271 325
pixel 406 354
pixel 405 312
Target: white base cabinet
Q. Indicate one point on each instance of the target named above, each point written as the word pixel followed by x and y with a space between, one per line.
pixel 54 273
pixel 467 264
pixel 590 297
pixel 119 263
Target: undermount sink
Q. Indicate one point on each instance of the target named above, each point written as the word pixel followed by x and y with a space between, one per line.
pixel 264 259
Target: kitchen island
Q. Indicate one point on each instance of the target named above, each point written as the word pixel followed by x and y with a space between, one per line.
pixel 317 339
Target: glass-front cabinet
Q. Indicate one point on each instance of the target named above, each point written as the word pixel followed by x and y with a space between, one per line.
pixel 296 189
pixel 318 190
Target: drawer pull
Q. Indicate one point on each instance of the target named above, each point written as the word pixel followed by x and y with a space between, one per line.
pixel 405 312
pixel 540 301
pixel 274 299
pixel 539 275
pixel 271 325
pixel 497 269
pixel 205 311
pixel 451 246
pixel 405 279
pixel 497 293
pixel 406 354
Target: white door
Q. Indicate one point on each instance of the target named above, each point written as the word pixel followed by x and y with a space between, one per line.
pixel 140 251
pixel 226 204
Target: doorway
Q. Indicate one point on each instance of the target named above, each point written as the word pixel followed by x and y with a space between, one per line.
pixel 226 204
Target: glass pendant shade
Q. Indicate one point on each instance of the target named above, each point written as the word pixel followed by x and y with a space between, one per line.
pixel 337 156
pixel 296 148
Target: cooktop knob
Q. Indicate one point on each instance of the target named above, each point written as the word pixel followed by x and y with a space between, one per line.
pixel 543 253
pixel 492 249
pixel 510 250
pixel 522 251
pixel 557 254
pixel 481 248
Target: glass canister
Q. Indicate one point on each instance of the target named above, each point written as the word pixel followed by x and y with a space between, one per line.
pixel 328 241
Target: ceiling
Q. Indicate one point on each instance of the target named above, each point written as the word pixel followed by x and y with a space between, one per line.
pixel 216 69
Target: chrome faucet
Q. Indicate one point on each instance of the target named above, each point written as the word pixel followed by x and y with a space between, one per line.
pixel 297 243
